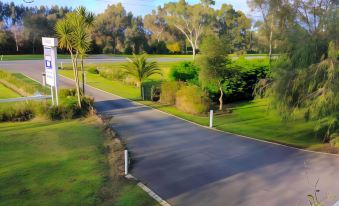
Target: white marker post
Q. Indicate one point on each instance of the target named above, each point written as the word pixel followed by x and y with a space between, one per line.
pixel 211 118
pixel 126 162
pixel 51 67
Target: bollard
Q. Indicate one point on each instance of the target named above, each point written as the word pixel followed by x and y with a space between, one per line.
pixel 126 162
pixel 44 79
pixel 211 118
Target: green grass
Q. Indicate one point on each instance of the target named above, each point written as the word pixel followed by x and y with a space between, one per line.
pixel 66 56
pixel 30 57
pixel 50 163
pixel 6 93
pixel 250 119
pixel 57 163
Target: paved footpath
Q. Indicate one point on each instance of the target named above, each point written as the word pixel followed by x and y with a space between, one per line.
pixel 189 165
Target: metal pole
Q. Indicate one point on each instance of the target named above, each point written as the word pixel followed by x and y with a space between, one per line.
pixel 126 162
pixel 211 118
pixel 56 96
pixel 52 94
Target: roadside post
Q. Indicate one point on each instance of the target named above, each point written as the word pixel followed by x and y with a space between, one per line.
pixel 43 79
pixel 51 67
pixel 211 118
pixel 126 162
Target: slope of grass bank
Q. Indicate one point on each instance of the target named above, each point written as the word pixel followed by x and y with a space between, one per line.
pixel 249 118
pixel 6 93
pixel 56 163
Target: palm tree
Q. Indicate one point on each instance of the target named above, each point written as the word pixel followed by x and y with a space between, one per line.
pixel 74 35
pixel 84 38
pixel 140 69
pixel 65 33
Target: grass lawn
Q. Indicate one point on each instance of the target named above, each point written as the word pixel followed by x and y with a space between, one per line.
pixel 6 93
pixel 30 57
pixel 250 119
pixel 66 56
pixel 57 163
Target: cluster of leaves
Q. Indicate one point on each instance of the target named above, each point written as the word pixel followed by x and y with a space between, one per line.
pixel 185 71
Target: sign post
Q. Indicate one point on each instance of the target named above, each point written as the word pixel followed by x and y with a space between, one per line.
pixel 51 67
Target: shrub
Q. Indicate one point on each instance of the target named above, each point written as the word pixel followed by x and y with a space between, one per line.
pixel 112 74
pixel 192 99
pixel 184 71
pixel 93 70
pixel 169 91
pixel 69 109
pixel 22 111
pixel 65 92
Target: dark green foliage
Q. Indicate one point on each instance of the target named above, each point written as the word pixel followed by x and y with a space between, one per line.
pixel 69 109
pixel 192 99
pixel 93 70
pixel 169 91
pixel 250 72
pixel 185 71
pixel 16 112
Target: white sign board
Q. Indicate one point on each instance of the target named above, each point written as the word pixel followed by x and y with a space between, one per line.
pixel 50 60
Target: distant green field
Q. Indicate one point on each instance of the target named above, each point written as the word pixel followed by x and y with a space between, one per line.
pixel 250 119
pixel 6 93
pixel 58 163
pixel 29 57
pixel 66 56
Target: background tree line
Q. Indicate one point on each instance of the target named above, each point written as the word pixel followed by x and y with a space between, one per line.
pixel 170 28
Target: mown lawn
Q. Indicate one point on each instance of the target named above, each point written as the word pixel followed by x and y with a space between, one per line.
pixel 29 57
pixel 56 163
pixel 6 93
pixel 249 118
pixel 66 56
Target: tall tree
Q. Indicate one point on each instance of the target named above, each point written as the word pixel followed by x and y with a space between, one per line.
pixel 191 20
pixel 74 36
pixel 215 65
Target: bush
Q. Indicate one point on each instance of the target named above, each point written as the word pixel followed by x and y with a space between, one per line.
pixel 193 100
pixel 21 111
pixel 241 87
pixel 70 109
pixel 185 71
pixel 93 70
pixel 112 74
pixel 65 92
pixel 169 91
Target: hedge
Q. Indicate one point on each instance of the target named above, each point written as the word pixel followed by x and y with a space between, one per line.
pixel 192 99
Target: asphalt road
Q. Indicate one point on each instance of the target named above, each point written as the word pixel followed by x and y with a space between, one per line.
pixel 189 165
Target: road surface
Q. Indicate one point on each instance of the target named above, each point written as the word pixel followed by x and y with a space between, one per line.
pixel 189 165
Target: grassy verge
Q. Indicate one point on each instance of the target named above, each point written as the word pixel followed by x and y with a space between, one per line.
pixel 21 84
pixel 7 93
pixel 30 57
pixel 59 163
pixel 250 118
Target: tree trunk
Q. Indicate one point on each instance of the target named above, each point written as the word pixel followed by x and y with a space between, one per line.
pixel 83 76
pixel 76 78
pixel 270 45
pixel 220 98
pixel 193 51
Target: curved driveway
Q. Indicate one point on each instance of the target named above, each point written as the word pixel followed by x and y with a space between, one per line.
pixel 189 165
